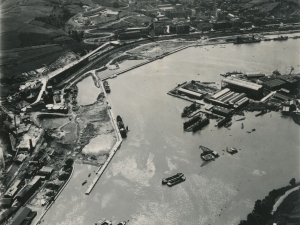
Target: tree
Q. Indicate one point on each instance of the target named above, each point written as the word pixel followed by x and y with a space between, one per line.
pixel 293 182
pixel 69 162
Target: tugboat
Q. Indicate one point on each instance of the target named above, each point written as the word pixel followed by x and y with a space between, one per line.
pixel 231 150
pixel 121 127
pixel 103 221
pixel 176 181
pixel 208 154
pixel 166 180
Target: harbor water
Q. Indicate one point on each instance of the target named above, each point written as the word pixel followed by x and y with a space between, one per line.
pixel 217 193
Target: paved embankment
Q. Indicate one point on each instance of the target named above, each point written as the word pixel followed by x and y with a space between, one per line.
pixel 280 200
pixel 56 196
pixel 113 150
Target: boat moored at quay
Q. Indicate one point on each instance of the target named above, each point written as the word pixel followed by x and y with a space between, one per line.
pixel 121 127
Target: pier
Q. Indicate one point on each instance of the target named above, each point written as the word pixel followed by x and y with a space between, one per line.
pixel 113 151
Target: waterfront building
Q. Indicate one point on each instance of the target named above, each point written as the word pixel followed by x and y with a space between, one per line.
pixel 189 93
pixel 252 90
pixel 24 216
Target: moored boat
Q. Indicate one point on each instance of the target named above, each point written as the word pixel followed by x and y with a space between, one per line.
pixel 103 221
pixel 281 38
pixel 176 181
pixel 231 150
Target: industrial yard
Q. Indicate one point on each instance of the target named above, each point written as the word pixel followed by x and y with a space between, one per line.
pixel 60 134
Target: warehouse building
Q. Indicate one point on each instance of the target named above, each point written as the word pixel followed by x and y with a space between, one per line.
pixel 23 216
pixel 239 85
pixel 220 93
pixel 189 93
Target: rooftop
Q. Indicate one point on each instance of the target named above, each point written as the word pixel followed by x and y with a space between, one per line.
pixel 243 83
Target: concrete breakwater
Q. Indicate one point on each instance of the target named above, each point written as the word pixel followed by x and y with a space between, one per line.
pixel 113 150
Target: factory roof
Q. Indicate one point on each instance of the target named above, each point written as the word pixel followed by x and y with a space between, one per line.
pixel 220 93
pixel 189 92
pixel 242 83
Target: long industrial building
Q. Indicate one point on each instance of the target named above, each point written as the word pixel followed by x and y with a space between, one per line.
pixel 238 85
pixel 190 93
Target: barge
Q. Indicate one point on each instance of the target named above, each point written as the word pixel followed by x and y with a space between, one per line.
pixel 121 127
pixel 106 86
pixel 176 176
pixel 176 181
pixel 200 124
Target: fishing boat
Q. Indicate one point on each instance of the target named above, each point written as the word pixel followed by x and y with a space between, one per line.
pixel 166 180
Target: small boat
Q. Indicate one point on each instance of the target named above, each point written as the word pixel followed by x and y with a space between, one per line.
pixel 228 124
pixel 243 118
pixel 89 174
pixel 84 182
pixel 242 126
pixel 103 221
pixel 281 38
pixel 231 150
pixel 166 180
pixel 295 37
pixel 122 223
pixel 253 130
pixel 207 157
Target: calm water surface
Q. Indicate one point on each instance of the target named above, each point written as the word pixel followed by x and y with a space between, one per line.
pixel 220 192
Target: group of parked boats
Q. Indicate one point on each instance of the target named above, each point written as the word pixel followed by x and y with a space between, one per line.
pixel 252 39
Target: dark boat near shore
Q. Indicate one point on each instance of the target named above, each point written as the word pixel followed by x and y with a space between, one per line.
pixel 106 86
pixel 246 40
pixel 281 38
pixel 121 127
pixel 176 176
